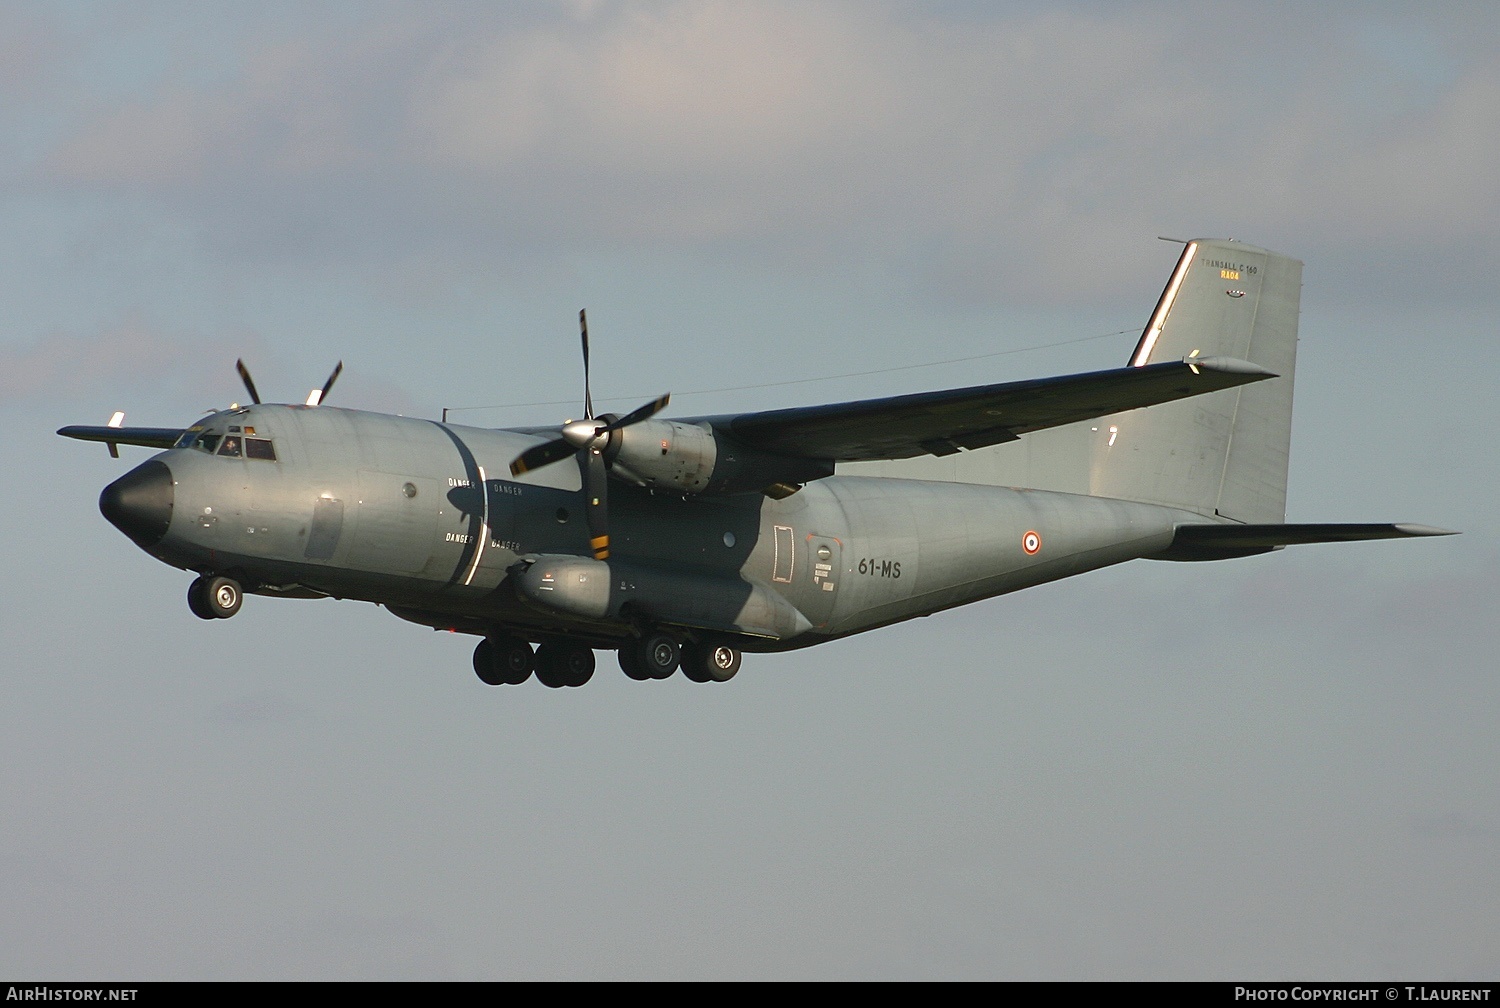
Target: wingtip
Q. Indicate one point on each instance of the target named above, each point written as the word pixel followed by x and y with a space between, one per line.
pixel 1229 365
pixel 1412 529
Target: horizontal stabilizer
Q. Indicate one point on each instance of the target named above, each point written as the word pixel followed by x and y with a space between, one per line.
pixel 1218 542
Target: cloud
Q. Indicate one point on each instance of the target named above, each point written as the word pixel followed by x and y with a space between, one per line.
pixel 983 156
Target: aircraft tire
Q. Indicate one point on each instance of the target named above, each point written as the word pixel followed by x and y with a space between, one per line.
pixel 215 597
pixel 630 664
pixel 710 662
pixel 514 659
pixel 485 666
pixel 197 598
pixel 560 664
pixel 659 655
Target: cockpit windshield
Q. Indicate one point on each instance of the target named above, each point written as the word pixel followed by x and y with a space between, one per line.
pixel 235 444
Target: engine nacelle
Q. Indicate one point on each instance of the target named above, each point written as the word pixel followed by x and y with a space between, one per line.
pixel 695 459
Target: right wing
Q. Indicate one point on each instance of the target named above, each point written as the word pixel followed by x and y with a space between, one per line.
pixel 941 423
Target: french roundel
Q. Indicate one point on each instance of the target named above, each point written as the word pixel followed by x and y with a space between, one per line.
pixel 1031 542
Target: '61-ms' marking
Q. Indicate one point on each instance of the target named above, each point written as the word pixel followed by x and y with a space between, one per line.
pixel 879 568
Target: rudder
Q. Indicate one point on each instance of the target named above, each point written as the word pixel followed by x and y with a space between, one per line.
pixel 1224 454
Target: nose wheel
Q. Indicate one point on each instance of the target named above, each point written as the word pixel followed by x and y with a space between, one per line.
pixel 213 596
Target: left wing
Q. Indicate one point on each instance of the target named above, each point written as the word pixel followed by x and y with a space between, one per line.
pixel 941 423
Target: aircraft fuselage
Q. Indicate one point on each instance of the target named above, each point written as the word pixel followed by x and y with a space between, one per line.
pixel 425 519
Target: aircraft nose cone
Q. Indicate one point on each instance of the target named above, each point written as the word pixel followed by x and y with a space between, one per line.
pixel 140 503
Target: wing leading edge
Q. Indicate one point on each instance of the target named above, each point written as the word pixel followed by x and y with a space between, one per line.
pixel 944 422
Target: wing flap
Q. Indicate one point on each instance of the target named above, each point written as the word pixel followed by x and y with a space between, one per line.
pixel 940 423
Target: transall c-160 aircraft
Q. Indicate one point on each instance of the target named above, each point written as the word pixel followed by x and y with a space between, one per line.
pixel 683 543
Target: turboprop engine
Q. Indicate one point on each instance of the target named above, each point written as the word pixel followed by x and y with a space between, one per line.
pixel 692 459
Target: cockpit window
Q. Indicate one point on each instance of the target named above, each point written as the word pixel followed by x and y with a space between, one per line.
pixel 232 445
pixel 260 448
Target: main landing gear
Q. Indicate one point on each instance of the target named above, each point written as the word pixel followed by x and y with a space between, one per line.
pixel 506 660
pixel 213 596
pixel 503 660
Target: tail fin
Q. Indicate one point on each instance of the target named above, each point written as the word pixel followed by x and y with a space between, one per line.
pixel 1223 454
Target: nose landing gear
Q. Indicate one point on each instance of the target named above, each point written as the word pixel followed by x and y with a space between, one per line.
pixel 213 596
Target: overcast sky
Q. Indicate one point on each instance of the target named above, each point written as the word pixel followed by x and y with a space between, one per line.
pixel 1275 768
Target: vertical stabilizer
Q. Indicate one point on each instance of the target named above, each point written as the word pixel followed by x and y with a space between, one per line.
pixel 1225 453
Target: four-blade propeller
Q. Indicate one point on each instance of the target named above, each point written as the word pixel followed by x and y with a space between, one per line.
pixel 590 436
pixel 314 397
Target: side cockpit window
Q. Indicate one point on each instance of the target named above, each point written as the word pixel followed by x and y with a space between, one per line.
pixel 260 448
pixel 229 447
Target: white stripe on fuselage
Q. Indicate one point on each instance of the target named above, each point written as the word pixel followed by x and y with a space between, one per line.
pixel 484 524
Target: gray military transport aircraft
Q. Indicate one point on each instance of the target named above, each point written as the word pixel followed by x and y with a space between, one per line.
pixel 682 543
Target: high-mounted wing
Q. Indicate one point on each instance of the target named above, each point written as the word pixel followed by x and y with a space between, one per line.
pixel 941 423
pixel 146 437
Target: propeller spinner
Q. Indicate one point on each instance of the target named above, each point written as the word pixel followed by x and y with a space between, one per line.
pixel 591 435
